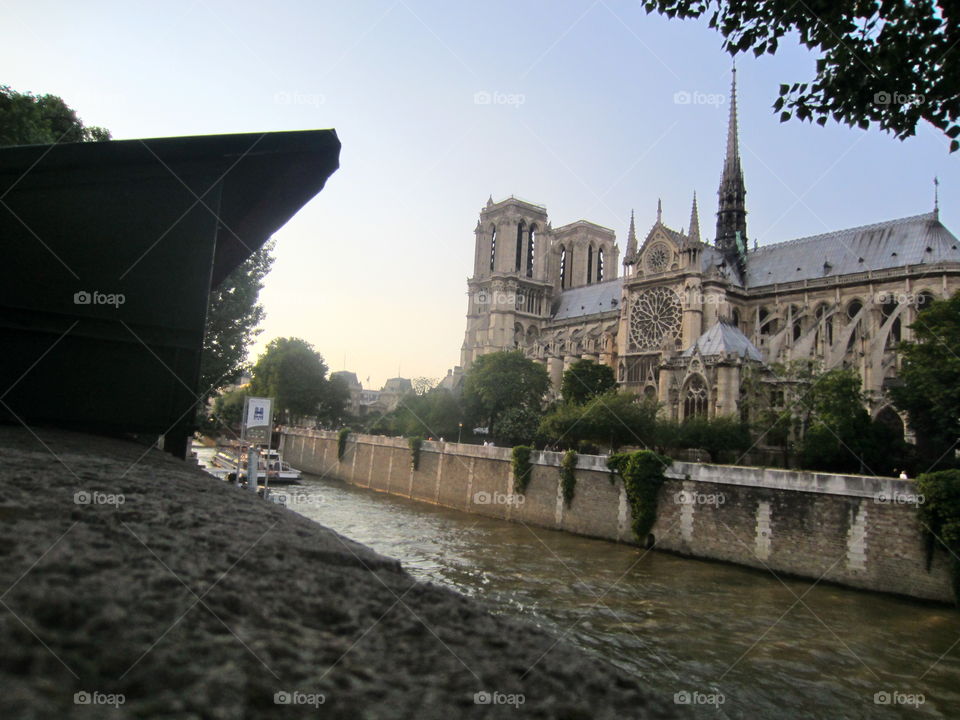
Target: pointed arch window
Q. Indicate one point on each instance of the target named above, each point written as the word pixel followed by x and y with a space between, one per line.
pixel 695 398
pixel 519 246
pixel 599 264
pixel 531 250
pixel 589 264
pixel 563 267
pixel 493 246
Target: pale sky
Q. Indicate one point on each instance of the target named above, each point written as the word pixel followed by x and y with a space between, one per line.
pixel 584 118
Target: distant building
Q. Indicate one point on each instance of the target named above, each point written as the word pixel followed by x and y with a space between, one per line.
pixel 687 317
pixel 367 402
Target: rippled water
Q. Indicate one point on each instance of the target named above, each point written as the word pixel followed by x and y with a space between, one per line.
pixel 773 648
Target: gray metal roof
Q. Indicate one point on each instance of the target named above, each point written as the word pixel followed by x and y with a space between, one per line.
pixel 916 240
pixel 589 300
pixel 721 339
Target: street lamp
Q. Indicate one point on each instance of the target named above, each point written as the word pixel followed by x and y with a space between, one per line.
pixel 459 431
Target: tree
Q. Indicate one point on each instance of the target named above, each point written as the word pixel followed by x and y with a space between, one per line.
pixel 585 379
pixel 293 373
pixel 612 419
pixel 332 407
pixel 233 315
pixel 517 426
pixel 718 436
pixel 502 380
pixel 228 409
pixel 27 119
pixel 930 380
pixel 892 63
pixel 841 436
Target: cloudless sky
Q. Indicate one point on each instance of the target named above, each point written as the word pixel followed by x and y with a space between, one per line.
pixel 586 117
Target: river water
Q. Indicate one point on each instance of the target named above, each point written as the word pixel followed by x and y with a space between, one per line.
pixel 732 642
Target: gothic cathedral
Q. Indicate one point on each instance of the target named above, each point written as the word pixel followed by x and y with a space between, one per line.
pixel 687 319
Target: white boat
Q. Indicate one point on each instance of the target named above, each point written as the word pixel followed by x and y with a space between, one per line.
pixel 272 466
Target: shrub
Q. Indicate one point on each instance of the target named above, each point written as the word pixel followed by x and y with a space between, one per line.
pixel 940 514
pixel 522 468
pixel 342 442
pixel 415 444
pixel 568 475
pixel 642 473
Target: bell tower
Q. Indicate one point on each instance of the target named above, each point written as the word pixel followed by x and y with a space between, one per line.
pixel 508 294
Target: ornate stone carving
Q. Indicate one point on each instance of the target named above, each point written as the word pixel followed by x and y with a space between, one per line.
pixel 655 315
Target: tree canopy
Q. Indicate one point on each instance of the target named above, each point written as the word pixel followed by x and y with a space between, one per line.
pixel 501 380
pixel 233 315
pixel 585 379
pixel 893 63
pixel 28 119
pixel 293 374
pixel 930 380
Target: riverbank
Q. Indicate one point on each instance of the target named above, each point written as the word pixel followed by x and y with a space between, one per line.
pixel 134 580
pixel 854 530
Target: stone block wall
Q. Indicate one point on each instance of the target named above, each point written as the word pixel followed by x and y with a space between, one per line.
pixel 853 530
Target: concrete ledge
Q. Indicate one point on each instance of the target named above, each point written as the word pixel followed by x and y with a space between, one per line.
pixel 191 598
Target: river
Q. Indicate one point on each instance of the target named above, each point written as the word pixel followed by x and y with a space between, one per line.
pixel 731 641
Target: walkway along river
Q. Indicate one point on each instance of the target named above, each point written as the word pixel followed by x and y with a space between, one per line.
pixel 703 632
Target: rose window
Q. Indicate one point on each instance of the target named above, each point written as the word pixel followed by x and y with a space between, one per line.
pixel 654 315
pixel 657 259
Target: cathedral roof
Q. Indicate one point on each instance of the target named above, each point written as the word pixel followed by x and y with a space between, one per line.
pixel 916 240
pixel 721 339
pixel 589 300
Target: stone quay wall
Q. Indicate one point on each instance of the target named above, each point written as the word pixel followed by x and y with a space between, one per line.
pixel 854 530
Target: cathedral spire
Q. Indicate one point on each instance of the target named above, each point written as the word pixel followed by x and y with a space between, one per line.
pixel 731 238
pixel 694 233
pixel 659 212
pixel 631 239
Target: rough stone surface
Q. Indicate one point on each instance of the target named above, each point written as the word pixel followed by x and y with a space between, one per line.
pixel 197 600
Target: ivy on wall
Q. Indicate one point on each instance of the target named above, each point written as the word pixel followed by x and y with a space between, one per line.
pixel 521 468
pixel 568 475
pixel 642 473
pixel 939 512
pixel 415 444
pixel 342 437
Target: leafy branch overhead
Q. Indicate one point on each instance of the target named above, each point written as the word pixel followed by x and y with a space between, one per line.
pixel 892 63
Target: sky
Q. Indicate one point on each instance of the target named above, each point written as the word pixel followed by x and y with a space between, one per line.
pixel 591 108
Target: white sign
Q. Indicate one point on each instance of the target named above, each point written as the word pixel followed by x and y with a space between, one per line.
pixel 258 412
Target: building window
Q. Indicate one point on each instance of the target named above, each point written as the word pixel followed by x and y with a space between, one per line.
pixel 599 264
pixel 563 267
pixel 519 246
pixel 589 264
pixel 531 249
pixel 493 246
pixel 695 398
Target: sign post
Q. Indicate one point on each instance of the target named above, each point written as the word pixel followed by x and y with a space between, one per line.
pixel 256 430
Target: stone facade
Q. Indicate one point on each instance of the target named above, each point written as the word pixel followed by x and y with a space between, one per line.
pixel 687 318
